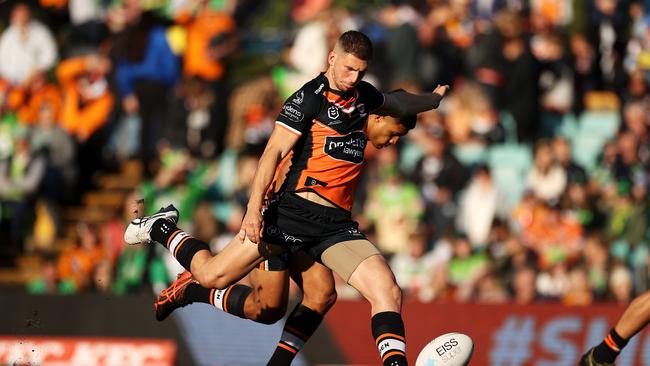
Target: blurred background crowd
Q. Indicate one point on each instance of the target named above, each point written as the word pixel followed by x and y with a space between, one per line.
pixel 528 184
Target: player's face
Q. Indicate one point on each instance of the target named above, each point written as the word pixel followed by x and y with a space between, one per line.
pixel 384 131
pixel 346 70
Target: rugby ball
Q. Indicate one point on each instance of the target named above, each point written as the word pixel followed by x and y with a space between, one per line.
pixel 450 349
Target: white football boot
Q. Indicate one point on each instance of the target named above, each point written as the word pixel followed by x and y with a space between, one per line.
pixel 139 229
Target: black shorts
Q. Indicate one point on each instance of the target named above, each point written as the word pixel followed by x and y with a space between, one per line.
pixel 299 224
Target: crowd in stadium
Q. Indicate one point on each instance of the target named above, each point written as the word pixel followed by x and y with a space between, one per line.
pixel 528 184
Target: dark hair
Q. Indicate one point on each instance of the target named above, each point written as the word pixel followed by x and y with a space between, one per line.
pixel 408 121
pixel 357 44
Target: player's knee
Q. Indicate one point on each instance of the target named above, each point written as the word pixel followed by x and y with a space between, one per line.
pixel 396 294
pixel 270 315
pixel 211 279
pixel 320 301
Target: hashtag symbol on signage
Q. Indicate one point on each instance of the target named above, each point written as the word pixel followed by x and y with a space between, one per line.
pixel 512 343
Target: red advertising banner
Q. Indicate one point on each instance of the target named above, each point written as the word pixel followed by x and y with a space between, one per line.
pixel 60 351
pixel 503 335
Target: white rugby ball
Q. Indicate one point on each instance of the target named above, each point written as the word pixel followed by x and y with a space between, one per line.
pixel 450 349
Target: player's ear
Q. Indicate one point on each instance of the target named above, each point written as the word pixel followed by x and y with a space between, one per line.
pixel 331 57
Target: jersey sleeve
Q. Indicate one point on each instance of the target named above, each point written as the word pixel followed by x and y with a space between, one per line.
pixel 299 110
pixel 373 98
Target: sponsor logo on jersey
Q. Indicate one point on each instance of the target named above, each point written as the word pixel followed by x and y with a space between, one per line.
pixel 298 99
pixel 320 88
pixel 346 148
pixel 292 112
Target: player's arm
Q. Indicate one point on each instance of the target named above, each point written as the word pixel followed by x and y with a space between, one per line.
pixel 401 103
pixel 293 119
pixel 279 145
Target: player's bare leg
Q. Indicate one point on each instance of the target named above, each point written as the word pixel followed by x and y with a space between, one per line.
pixel 265 301
pixel 234 262
pixel 635 317
pixel 319 294
pixel 633 320
pixel 376 282
pixel 237 259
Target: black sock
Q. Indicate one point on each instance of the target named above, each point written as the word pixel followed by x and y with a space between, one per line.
pixel 197 293
pixel 300 326
pixel 230 299
pixel 179 243
pixel 389 335
pixel 609 348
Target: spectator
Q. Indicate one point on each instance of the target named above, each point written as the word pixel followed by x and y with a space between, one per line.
pixel 440 177
pixel 402 48
pixel 134 266
pixel 579 292
pixel 48 282
pixel 620 284
pixel 555 80
pixel 87 100
pixel 554 283
pixel 465 268
pixel 20 178
pixel 188 118
pixel 393 205
pixel 27 47
pixel 28 99
pixel 211 41
pixel 60 150
pixel 88 23
pixel 77 263
pixel 307 56
pixel 586 76
pixel 146 69
pixel 414 267
pixel 546 178
pixel 523 286
pixel 562 154
pixel 490 290
pixel 596 259
pixel 479 205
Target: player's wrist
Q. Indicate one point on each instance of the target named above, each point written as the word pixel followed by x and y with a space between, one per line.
pixel 254 206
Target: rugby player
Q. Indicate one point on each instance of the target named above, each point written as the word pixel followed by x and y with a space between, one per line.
pixel 323 129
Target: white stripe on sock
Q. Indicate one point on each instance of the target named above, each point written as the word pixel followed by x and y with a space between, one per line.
pixel 390 344
pixel 217 300
pixel 292 340
pixel 177 239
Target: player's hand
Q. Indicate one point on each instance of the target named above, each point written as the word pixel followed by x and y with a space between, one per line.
pixel 251 226
pixel 441 90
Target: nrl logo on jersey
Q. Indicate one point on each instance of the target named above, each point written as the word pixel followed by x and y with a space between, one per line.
pixel 333 112
pixel 300 96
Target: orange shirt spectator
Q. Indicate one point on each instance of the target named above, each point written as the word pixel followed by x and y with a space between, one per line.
pixel 87 101
pixel 28 101
pixel 76 264
pixel 209 40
